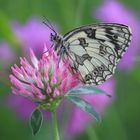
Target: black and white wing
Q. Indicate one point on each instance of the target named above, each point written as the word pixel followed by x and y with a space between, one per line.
pixel 95 50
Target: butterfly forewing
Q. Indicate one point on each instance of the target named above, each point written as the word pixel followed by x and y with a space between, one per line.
pixel 95 50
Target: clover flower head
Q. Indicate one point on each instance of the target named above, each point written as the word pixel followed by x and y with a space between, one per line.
pixel 42 80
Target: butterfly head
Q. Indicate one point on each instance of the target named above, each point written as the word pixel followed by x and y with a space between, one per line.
pixel 57 41
pixel 55 38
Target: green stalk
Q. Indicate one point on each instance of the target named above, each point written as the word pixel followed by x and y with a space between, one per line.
pixel 55 126
pixel 91 133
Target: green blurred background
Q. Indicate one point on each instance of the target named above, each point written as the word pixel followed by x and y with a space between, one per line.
pixel 121 120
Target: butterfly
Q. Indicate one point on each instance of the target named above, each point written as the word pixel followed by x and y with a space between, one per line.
pixel 93 50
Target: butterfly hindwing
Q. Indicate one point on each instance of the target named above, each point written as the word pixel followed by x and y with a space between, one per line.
pixel 95 50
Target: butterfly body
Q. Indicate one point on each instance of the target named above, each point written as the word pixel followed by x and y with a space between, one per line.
pixel 93 50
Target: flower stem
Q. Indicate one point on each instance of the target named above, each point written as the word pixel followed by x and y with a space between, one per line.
pixel 55 126
pixel 91 133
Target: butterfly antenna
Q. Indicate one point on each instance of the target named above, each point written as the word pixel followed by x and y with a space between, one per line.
pixel 48 24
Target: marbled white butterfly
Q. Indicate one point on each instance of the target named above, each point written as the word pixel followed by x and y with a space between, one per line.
pixel 93 50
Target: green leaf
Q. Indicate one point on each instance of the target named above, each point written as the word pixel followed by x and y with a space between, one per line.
pixel 36 121
pixel 85 106
pixel 84 90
